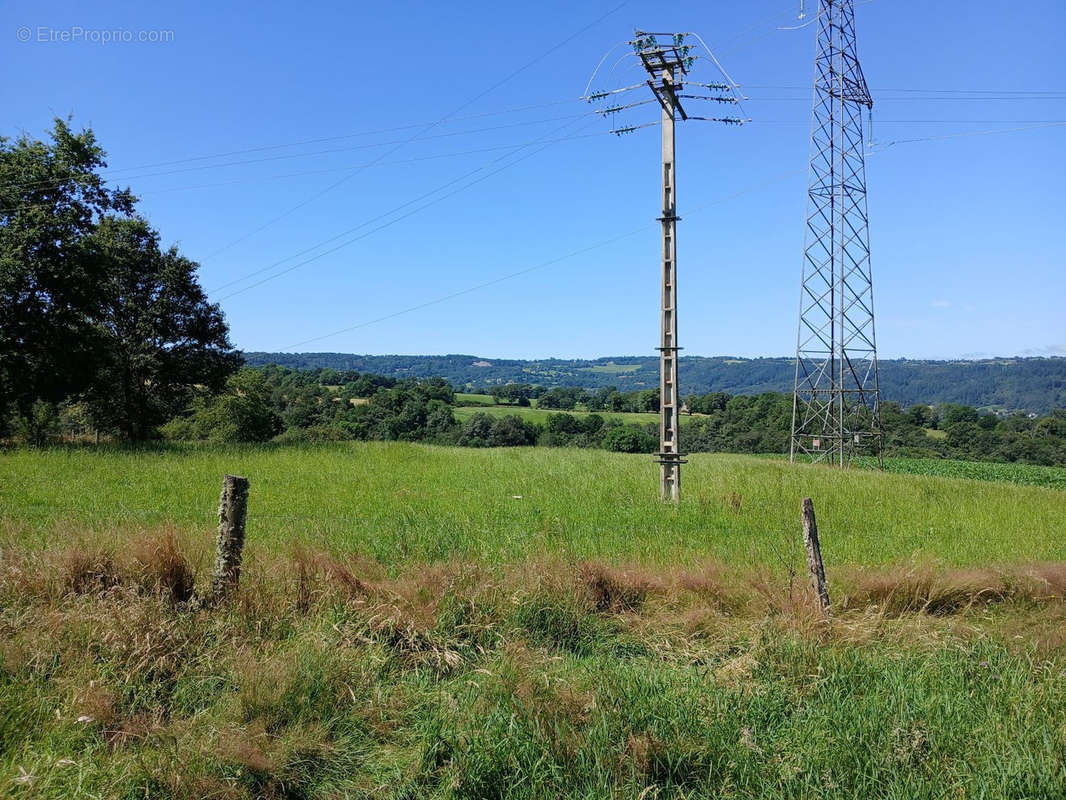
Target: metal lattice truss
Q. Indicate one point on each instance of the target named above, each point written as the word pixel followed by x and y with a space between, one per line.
pixel 836 414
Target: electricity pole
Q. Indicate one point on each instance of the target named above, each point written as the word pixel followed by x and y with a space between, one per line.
pixel 836 401
pixel 670 460
pixel 667 66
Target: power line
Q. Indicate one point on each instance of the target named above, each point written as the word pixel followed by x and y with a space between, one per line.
pixel 543 264
pixel 1027 94
pixel 879 148
pixel 612 240
pixel 544 144
pixel 319 171
pixel 881 89
pixel 394 162
pixel 423 131
pixel 44 185
pixel 921 121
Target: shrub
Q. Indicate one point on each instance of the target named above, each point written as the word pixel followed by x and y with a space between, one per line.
pixel 629 439
pixel 512 431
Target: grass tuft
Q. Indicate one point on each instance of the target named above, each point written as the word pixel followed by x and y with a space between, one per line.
pixel 161 566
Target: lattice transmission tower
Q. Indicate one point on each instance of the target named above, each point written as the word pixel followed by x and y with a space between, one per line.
pixel 836 403
pixel 667 59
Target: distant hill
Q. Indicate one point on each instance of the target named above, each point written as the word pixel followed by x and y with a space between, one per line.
pixel 1013 384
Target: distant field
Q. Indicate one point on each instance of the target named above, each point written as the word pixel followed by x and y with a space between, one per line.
pixel 611 368
pixel 540 416
pixel 1022 474
pixel 1028 474
pixel 474 399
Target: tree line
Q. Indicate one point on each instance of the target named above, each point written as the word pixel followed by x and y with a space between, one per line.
pixel 283 405
pixel 1032 384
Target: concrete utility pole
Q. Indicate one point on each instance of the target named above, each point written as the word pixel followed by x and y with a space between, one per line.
pixel 667 64
pixel 669 406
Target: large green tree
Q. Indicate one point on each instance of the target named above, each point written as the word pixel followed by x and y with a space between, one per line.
pixel 51 197
pixel 91 306
pixel 161 338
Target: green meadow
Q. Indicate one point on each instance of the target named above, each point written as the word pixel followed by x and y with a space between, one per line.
pixel 400 503
pixel 539 416
pixel 423 622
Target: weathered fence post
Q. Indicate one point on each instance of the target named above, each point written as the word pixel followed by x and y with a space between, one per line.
pixel 814 556
pixel 232 511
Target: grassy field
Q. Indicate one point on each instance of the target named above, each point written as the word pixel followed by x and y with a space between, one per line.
pixel 540 416
pixel 612 368
pixel 474 399
pixel 531 623
pixel 399 503
pixel 1028 474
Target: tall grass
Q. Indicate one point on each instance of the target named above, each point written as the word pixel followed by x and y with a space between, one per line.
pixel 419 622
pixel 535 681
pixel 401 503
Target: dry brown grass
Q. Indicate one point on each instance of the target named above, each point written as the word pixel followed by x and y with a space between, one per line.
pixel 95 705
pixel 160 563
pixel 614 589
pixel 88 571
pixel 133 730
pixel 923 589
pixel 246 748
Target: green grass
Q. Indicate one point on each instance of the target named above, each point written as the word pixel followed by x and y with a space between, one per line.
pixel 474 399
pixel 1026 474
pixel 612 369
pixel 513 668
pixel 399 503
pixel 540 416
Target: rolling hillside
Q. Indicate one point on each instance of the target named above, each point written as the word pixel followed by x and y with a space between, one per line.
pixel 1015 384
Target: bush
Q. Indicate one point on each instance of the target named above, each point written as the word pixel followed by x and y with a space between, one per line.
pixel 316 433
pixel 243 414
pixel 629 439
pixel 38 426
pixel 512 431
pixel 477 431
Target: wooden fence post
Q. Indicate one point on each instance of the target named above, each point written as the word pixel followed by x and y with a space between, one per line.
pixel 814 556
pixel 232 511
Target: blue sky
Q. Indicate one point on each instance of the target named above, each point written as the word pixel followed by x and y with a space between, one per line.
pixel 966 230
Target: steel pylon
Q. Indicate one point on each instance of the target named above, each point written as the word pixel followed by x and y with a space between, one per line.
pixel 836 402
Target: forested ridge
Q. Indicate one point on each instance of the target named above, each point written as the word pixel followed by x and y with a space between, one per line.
pixel 301 406
pixel 1002 384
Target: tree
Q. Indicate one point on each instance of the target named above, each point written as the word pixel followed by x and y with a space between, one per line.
pixel 648 401
pixel 629 439
pixel 51 197
pixel 159 336
pixel 517 393
pixel 953 414
pixel 477 431
pixel 512 431
pixel 922 416
pixel 243 413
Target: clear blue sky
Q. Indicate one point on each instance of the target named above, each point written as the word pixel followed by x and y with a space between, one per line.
pixel 967 231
